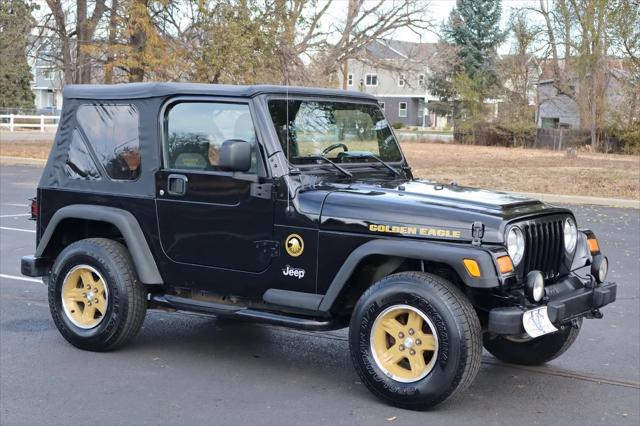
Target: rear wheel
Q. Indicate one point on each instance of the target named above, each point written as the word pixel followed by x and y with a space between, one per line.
pixel 95 297
pixel 415 340
pixel 528 351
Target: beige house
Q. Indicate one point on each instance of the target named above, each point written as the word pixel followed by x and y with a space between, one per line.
pixel 396 73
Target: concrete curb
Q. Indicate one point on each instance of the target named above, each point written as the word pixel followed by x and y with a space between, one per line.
pixel 581 199
pixel 22 161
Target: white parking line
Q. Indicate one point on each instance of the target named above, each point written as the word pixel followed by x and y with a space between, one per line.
pixel 15 205
pixel 6 228
pixel 15 215
pixel 15 277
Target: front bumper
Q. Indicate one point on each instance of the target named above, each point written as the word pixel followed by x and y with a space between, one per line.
pixel 569 299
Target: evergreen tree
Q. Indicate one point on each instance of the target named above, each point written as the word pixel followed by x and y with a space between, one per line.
pixel 473 31
pixel 474 28
pixel 16 23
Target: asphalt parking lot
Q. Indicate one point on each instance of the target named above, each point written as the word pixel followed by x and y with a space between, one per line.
pixel 189 370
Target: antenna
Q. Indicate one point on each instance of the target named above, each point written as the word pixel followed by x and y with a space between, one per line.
pixel 286 77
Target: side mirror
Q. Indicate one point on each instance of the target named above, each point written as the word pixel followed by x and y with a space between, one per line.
pixel 235 155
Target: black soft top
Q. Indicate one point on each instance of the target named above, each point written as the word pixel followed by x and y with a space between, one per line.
pixel 152 90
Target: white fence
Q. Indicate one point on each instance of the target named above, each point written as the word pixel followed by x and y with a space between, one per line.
pixel 42 122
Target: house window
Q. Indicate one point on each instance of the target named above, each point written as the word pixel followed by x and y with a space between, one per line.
pixel 421 80
pixel 401 81
pixel 381 105
pixel 371 80
pixel 48 74
pixel 402 109
pixel 349 79
pixel 550 122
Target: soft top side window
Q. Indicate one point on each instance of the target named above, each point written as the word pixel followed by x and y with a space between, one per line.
pixel 195 131
pixel 79 164
pixel 112 132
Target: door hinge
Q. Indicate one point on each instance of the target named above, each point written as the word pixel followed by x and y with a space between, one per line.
pixel 262 190
pixel 477 232
pixel 269 247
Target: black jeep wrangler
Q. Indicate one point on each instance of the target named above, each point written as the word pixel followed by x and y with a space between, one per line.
pixel 296 207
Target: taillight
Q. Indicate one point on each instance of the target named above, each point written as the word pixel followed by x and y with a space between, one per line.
pixel 34 209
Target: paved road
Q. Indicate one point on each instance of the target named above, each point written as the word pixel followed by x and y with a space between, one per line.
pixel 188 370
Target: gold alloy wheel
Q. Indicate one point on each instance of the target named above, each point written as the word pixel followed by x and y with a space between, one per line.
pixel 404 343
pixel 84 296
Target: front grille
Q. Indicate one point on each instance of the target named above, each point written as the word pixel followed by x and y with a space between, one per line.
pixel 544 246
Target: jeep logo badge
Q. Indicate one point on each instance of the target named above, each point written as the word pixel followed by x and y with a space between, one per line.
pixel 298 273
pixel 294 245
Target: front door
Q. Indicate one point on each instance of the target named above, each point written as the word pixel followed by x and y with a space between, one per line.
pixel 210 218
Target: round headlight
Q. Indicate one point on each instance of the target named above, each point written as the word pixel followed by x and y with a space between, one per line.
pixel 515 245
pixel 570 234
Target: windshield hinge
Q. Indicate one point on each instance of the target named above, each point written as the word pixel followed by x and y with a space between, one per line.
pixel 262 190
pixel 477 232
pixel 269 247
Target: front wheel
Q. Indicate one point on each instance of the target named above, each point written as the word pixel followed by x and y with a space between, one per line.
pixel 528 351
pixel 415 340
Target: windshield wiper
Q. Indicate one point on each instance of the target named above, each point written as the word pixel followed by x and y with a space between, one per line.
pixel 326 160
pixel 367 154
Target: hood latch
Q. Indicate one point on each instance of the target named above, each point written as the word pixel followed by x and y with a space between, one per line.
pixel 477 232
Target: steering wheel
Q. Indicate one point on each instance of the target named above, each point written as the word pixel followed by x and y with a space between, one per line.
pixel 334 146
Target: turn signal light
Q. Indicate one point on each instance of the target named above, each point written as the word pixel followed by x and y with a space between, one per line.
pixel 505 265
pixel 472 267
pixel 594 247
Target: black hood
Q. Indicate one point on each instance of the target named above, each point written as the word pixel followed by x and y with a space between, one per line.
pixel 422 208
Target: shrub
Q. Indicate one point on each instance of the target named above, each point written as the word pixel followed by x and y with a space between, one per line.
pixel 397 125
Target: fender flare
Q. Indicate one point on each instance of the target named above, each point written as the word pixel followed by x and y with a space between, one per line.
pixel 441 252
pixel 126 223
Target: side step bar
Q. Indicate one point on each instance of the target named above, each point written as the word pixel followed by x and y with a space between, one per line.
pixel 240 313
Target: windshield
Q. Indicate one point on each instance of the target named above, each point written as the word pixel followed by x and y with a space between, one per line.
pixel 329 129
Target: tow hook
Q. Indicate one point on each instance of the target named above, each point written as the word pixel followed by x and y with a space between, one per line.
pixel 595 313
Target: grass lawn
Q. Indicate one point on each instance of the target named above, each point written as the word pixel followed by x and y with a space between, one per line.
pixel 527 170
pixel 509 169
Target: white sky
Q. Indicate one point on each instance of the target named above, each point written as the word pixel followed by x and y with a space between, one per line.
pixel 439 11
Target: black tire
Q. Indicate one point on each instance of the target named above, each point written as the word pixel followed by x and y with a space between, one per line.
pixel 457 328
pixel 125 307
pixel 535 351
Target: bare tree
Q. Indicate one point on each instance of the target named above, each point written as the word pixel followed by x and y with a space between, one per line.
pixel 75 35
pixel 557 30
pixel 366 22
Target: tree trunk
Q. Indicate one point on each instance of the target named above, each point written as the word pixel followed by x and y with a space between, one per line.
pixel 138 41
pixel 83 70
pixel 113 21
pixel 345 73
pixel 566 23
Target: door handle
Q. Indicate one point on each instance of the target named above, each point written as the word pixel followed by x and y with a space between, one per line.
pixel 177 184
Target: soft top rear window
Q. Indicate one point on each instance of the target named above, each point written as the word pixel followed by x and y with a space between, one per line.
pixel 112 132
